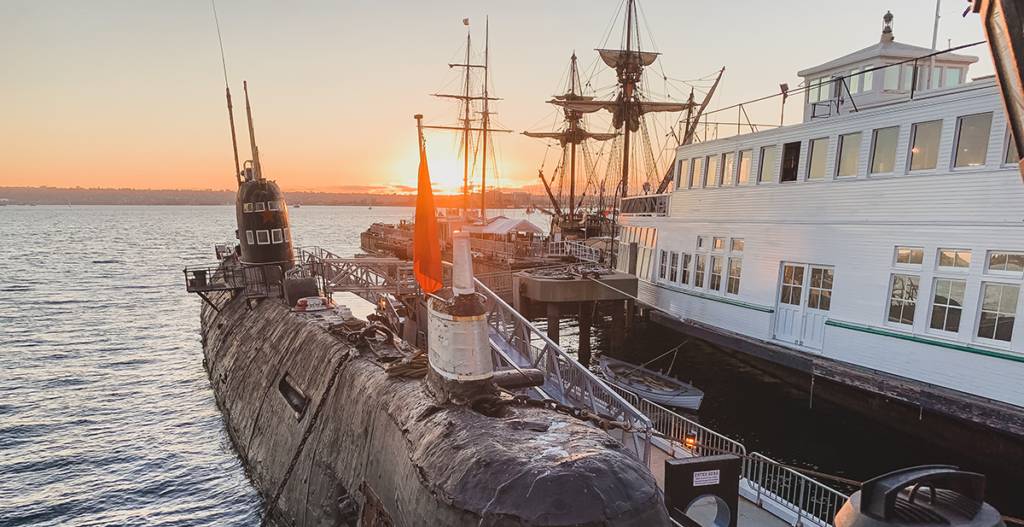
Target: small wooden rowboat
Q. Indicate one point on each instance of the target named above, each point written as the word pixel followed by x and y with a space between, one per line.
pixel 651 385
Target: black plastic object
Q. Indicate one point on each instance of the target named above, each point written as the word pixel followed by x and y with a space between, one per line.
pixel 689 479
pixel 925 495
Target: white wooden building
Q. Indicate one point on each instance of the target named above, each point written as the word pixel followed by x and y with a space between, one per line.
pixel 889 239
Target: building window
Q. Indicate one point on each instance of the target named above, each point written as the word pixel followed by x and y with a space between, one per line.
pixel 673 274
pixel 909 256
pixel 819 294
pixel 698 273
pixel 892 78
pixel 728 169
pixel 710 177
pixel 1005 262
pixel 998 311
pixel 263 237
pixel 258 206
pixel 883 150
pixel 790 161
pixel 716 273
pixel 972 140
pixel 766 172
pixel 275 236
pixel 948 304
pixel 952 77
pixel 702 242
pixel 746 157
pixel 247 207
pixel 849 154
pixel 737 245
pixel 684 277
pixel 792 285
pixel 248 237
pixel 274 205
pixel 819 90
pixel 719 244
pixel 696 172
pixel 924 141
pixel 1012 157
pixel 664 265
pixel 816 165
pixel 682 167
pixel 903 298
pixel 735 266
pixel 936 77
pixel 951 259
pixel 869 79
pixel 912 78
pixel 853 81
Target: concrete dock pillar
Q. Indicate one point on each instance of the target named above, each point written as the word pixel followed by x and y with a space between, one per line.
pixel 630 313
pixel 553 325
pixel 618 323
pixel 586 321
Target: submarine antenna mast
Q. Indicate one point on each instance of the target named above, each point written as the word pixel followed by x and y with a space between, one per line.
pixel 227 88
pixel 257 172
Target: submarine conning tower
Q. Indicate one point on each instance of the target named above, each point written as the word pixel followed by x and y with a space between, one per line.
pixel 458 344
pixel 263 229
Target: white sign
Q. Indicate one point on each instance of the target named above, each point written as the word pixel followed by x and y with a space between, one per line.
pixel 706 477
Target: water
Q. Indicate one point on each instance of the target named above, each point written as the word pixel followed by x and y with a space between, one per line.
pixel 107 418
pixel 106 414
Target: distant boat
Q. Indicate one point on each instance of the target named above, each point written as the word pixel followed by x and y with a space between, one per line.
pixel 296 206
pixel 651 385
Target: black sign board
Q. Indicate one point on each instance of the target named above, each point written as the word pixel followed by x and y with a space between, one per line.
pixel 689 479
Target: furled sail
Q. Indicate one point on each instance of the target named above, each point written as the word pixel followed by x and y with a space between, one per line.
pixel 568 137
pixel 620 57
pixel 590 106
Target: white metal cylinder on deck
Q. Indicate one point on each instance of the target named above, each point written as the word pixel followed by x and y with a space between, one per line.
pixel 459 347
pixel 462 261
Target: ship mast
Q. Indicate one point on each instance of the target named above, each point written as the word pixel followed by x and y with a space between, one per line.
pixel 486 121
pixel 628 76
pixel 465 128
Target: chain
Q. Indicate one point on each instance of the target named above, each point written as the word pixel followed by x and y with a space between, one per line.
pixel 305 437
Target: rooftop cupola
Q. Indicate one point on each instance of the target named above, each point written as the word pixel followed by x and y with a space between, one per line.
pixel 887 27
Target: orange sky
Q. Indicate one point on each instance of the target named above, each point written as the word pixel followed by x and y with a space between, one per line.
pixel 121 93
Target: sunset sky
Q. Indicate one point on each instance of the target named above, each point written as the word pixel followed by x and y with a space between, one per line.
pixel 119 93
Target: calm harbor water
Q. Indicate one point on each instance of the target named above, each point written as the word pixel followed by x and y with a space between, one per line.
pixel 107 418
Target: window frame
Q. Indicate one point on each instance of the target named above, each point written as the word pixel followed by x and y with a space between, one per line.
pixel 1001 272
pixel 250 238
pixel 696 172
pixel 952 268
pixel 728 158
pixel 246 207
pixel 931 304
pixel 896 264
pixel 259 206
pixel 700 270
pixel 273 205
pixel 662 264
pixel 730 278
pixel 714 243
pixel 710 179
pixel 980 311
pixel 259 239
pixel 685 268
pixel 890 298
pixel 840 144
pixel 712 286
pixel 673 266
pixel 820 289
pixel 874 151
pixel 732 245
pixel 276 236
pixel 1007 145
pixel 811 158
pixel 911 146
pixel 739 166
pixel 956 142
pixel 771 168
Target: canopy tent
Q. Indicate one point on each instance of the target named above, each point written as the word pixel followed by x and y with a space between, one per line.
pixel 504 226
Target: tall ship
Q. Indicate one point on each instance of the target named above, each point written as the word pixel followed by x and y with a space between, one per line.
pixel 878 243
pixel 598 168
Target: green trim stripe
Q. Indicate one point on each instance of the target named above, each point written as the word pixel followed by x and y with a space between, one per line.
pixel 713 298
pixel 913 338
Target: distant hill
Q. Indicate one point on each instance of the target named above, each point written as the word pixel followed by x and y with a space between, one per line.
pixel 125 196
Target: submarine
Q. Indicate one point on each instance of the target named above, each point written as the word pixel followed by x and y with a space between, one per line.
pixel 329 435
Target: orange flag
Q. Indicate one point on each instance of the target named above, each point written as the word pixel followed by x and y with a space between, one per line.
pixel 426 254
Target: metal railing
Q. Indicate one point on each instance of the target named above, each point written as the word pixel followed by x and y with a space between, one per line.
pixel 656 205
pixel 518 342
pixel 369 278
pixel 213 278
pixel 579 250
pixel 499 282
pixel 810 501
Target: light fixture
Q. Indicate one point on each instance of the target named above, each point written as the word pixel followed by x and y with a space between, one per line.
pixel 691 439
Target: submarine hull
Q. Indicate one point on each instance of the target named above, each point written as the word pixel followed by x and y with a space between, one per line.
pixel 384 453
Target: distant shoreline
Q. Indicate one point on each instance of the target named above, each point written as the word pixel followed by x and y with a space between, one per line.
pixel 83 196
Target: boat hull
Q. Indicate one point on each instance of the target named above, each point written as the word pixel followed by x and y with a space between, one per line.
pixel 686 397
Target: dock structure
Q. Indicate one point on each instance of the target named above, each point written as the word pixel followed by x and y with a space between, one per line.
pixel 770 494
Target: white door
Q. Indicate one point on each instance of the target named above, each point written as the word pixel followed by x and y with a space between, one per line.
pixel 789 312
pixel 805 297
pixel 817 304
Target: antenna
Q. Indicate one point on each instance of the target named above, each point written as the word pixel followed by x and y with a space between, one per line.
pixel 257 171
pixel 227 88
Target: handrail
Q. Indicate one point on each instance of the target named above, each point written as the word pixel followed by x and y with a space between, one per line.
pixel 566 380
pixel 811 501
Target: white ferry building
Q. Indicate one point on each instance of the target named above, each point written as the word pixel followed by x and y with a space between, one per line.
pixel 879 243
